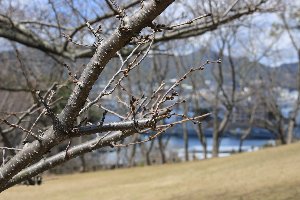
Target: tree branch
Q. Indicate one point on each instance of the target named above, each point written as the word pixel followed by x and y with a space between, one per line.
pixel 130 26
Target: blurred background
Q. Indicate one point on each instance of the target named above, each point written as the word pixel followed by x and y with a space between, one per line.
pixel 252 95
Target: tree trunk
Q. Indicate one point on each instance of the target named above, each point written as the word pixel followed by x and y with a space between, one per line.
pixel 83 167
pixel 118 151
pixel 290 132
pixel 202 140
pixel 215 147
pixel 185 136
pixel 243 137
pixel 132 155
pixel 161 150
pixel 186 142
pixel 148 159
pixel 281 133
pixel 292 121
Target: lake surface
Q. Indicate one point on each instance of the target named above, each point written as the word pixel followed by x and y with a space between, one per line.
pixel 227 146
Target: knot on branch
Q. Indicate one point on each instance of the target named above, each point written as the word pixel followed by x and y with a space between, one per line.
pixel 158 27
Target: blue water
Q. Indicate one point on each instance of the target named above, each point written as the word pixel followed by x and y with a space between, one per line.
pixel 176 145
pixel 228 144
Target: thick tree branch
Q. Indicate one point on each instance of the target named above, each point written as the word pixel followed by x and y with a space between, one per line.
pixel 130 26
pixel 129 128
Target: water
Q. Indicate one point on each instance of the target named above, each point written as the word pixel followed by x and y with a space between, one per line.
pixel 228 145
pixel 176 145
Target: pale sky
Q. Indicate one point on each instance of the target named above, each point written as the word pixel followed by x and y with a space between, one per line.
pixel 257 40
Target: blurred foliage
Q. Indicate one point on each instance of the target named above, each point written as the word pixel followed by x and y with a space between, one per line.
pixel 63 93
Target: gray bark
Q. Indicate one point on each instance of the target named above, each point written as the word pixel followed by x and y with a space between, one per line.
pixel 10 173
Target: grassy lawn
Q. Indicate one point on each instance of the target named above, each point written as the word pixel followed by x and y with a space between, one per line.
pixel 268 174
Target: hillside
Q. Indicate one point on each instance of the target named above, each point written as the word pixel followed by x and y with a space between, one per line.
pixel 247 69
pixel 267 174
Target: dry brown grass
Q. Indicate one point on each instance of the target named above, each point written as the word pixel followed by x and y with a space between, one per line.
pixel 268 174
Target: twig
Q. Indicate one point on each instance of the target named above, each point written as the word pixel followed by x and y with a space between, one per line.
pixel 109 82
pixel 100 139
pixel 23 129
pixel 48 109
pixel 11 148
pixel 164 97
pixel 190 21
pixel 110 111
pixel 230 7
pixel 143 141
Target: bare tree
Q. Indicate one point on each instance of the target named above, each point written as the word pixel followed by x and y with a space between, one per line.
pixel 63 124
pixel 142 115
pixel 296 106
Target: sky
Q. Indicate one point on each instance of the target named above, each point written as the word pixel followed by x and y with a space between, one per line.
pixel 252 43
pixel 283 48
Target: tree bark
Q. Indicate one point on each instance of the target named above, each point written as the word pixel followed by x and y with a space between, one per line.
pixel 185 136
pixel 63 125
pixel 161 148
